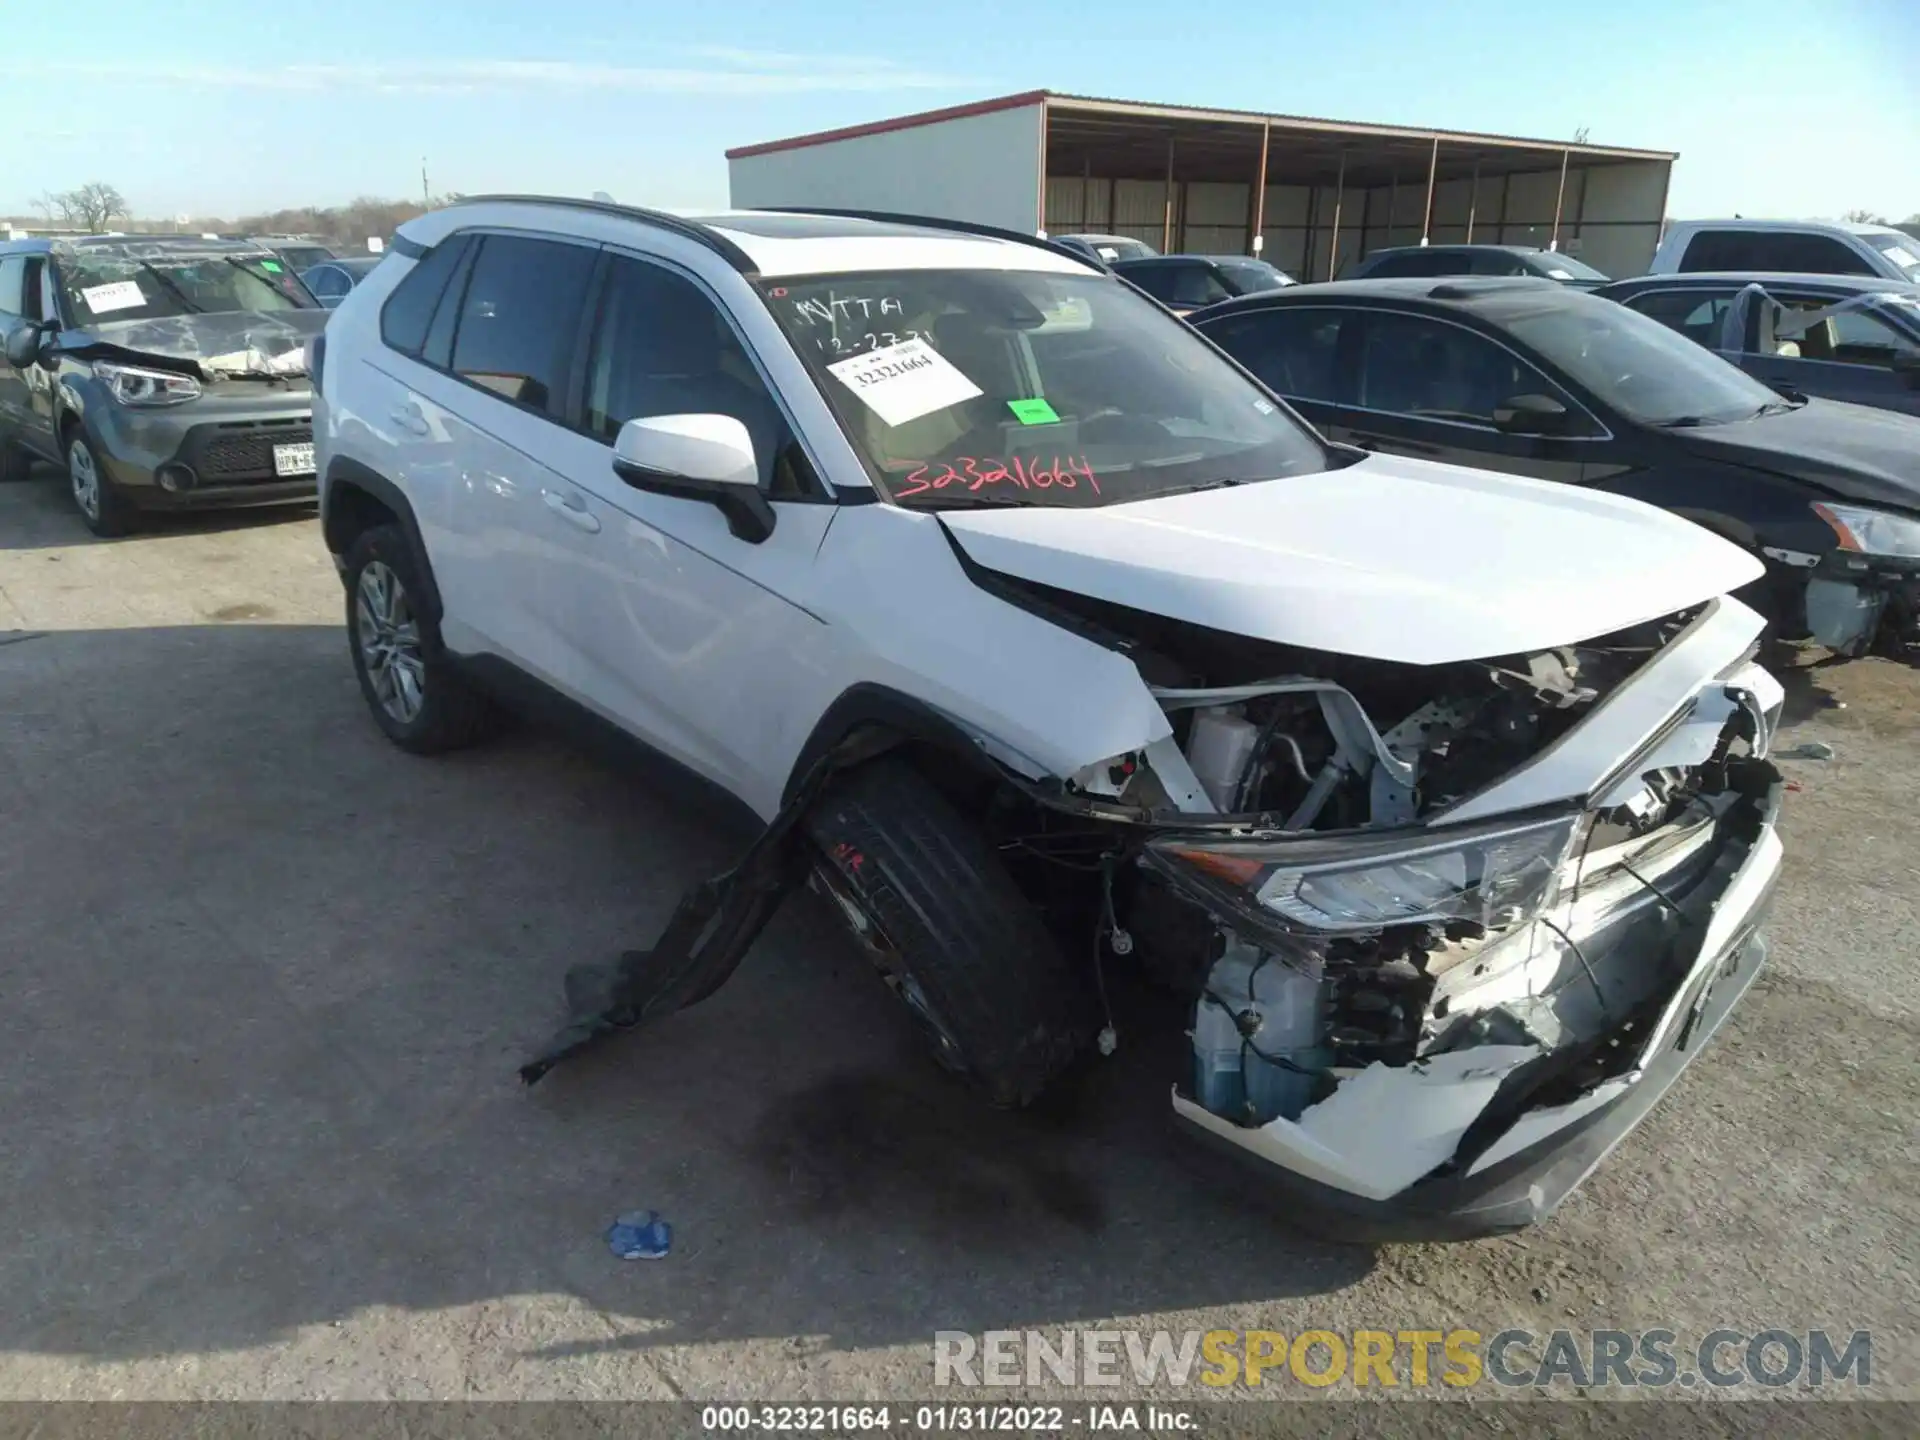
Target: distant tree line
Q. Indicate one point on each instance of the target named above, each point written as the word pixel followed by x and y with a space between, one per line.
pixel 96 206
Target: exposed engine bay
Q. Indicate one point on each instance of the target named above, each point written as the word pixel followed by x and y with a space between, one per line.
pixel 1379 993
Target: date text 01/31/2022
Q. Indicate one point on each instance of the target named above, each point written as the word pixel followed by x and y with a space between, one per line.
pixel 943 1419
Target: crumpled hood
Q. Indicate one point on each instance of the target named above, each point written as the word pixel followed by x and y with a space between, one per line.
pixel 274 340
pixel 1390 558
pixel 1853 452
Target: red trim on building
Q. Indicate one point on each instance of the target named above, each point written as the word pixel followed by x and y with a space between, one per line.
pixel 901 122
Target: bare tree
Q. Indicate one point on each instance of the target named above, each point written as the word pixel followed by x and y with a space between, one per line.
pixel 1863 217
pixel 92 207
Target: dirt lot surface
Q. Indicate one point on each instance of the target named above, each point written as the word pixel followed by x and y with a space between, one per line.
pixel 266 981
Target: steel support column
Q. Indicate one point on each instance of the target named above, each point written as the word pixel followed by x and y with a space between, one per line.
pixel 1558 200
pixel 1256 237
pixel 1433 170
pixel 1166 227
pixel 1339 197
pixel 1473 201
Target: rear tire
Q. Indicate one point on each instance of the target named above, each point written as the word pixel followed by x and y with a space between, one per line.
pixel 933 907
pixel 407 678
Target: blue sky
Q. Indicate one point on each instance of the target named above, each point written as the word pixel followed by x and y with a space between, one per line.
pixel 205 106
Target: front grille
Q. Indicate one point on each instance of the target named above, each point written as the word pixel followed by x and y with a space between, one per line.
pixel 241 451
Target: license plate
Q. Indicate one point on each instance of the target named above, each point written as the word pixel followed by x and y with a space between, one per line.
pixel 293 459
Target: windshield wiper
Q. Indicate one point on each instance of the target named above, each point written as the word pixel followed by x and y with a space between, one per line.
pixel 171 288
pixel 961 500
pixel 1778 407
pixel 1203 485
pixel 1684 422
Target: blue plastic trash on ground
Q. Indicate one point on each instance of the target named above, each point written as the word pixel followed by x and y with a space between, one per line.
pixel 639 1235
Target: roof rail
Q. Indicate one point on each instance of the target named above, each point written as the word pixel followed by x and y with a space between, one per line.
pixel 678 224
pixel 933 222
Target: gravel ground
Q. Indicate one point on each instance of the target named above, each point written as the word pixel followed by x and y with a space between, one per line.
pixel 266 981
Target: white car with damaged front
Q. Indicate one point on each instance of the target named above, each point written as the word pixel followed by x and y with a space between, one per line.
pixel 1033 629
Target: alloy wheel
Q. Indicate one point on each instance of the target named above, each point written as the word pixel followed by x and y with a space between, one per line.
pixel 388 635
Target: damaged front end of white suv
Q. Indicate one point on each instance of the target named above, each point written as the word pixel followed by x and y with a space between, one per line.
pixel 1449 930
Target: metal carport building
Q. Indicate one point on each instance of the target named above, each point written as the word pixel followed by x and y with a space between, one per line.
pixel 1316 193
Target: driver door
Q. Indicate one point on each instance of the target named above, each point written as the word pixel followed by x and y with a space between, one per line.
pixel 1428 388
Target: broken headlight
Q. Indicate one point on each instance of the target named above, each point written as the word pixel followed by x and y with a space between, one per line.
pixel 1493 875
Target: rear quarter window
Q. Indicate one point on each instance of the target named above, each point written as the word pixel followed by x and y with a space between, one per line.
pixel 409 310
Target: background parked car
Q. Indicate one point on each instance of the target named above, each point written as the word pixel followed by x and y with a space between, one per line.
pixel 1548 381
pixel 162 373
pixel 1841 337
pixel 1437 260
pixel 331 280
pixel 1108 248
pixel 302 252
pixel 1186 282
pixel 1816 247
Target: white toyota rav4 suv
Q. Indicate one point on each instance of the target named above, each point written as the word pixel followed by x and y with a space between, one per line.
pixel 1036 633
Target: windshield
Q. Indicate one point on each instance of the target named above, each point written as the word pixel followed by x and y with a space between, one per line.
pixel 1564 267
pixel 103 286
pixel 1902 250
pixel 1248 277
pixel 988 386
pixel 1635 364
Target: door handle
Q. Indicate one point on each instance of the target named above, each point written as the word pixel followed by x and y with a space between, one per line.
pixel 571 511
pixel 409 418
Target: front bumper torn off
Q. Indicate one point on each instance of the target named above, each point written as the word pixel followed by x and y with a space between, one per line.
pixel 1377 1159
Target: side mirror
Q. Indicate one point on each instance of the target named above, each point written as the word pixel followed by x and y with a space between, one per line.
pixel 1533 415
pixel 23 344
pixel 697 457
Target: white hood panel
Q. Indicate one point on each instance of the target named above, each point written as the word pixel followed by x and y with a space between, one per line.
pixel 1391 559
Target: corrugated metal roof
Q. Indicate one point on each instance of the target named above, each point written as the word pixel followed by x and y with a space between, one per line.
pixel 1144 110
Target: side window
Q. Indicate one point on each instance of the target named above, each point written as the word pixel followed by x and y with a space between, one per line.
pixel 1432 370
pixel 1696 314
pixel 32 299
pixel 1852 337
pixel 1156 280
pixel 519 317
pixel 661 347
pixel 405 316
pixel 1820 255
pixel 13 275
pixel 49 305
pixel 1722 250
pixel 438 351
pixel 1294 349
pixel 1196 285
pixel 325 282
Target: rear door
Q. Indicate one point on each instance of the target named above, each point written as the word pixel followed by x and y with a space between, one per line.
pixel 1844 347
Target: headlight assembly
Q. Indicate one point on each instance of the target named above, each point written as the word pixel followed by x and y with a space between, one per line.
pixel 1872 532
pixel 1486 875
pixel 131 385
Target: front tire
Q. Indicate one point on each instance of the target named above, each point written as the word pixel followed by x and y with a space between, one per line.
pixel 101 505
pixel 930 902
pixel 408 680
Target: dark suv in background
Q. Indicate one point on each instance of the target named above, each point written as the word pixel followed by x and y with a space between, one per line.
pixel 159 373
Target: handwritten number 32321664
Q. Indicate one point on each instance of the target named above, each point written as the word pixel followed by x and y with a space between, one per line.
pixel 973 472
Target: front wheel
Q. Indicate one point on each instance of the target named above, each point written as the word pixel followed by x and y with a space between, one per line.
pixel 99 501
pixel 936 911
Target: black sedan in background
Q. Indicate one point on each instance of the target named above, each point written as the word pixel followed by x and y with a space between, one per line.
pixel 1187 282
pixel 1540 379
pixel 1843 337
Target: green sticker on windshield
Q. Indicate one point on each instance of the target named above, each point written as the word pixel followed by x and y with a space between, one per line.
pixel 273 265
pixel 1033 412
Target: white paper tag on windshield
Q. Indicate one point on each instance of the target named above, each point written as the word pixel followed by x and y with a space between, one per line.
pixel 120 295
pixel 1900 256
pixel 905 381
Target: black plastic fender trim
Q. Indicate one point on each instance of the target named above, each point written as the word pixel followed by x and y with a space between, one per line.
pixel 346 473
